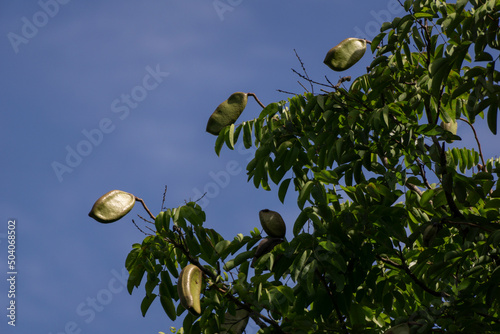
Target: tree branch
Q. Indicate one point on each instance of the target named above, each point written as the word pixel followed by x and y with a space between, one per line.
pixel 332 298
pixel 421 284
pixel 477 140
pixel 255 315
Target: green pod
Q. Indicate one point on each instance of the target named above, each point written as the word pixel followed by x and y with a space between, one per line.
pixel 345 54
pixel 399 329
pixel 451 127
pixel 429 235
pixel 112 206
pixel 272 223
pixel 189 288
pixel 227 112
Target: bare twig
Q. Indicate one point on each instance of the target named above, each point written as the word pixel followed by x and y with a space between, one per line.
pixel 310 80
pixel 163 201
pixel 284 91
pixel 145 220
pixel 140 229
pixel 422 173
pixel 304 69
pixel 300 83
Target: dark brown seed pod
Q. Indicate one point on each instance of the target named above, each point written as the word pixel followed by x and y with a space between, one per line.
pixel 265 246
pixel 272 223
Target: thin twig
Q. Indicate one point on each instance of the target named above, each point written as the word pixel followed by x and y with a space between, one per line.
pixel 163 201
pixel 300 83
pixel 310 80
pixel 144 219
pixel 145 207
pixel 477 140
pixel 303 68
pixel 284 91
pixel 422 172
pixel 140 228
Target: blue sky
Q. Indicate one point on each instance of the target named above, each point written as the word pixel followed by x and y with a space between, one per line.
pixel 130 85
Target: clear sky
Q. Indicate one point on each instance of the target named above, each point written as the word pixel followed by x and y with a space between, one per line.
pixel 102 95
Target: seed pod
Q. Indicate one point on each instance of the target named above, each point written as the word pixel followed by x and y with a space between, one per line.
pixel 272 223
pixel 451 127
pixel 235 324
pixel 112 206
pixel 345 54
pixel 227 112
pixel 265 246
pixel 429 234
pixel 399 329
pixel 189 288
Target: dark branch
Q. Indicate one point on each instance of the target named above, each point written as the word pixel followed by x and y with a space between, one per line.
pixel 477 140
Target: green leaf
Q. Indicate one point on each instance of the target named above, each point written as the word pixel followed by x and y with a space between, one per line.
pixel 422 15
pixel 168 307
pixel 146 303
pixel 283 189
pixel 492 117
pixel 426 197
pixel 356 315
pixel 220 141
pixel 221 246
pixel 239 259
pixel 492 203
pixel 230 137
pixel 299 222
pixel 247 134
pixel 304 193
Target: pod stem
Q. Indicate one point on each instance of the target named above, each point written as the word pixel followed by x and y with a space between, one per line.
pixel 256 99
pixel 145 207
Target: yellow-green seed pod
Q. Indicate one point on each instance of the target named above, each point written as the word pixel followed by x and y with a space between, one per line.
pixel 429 235
pixel 451 127
pixel 345 54
pixel 189 288
pixel 272 223
pixel 227 112
pixel 112 206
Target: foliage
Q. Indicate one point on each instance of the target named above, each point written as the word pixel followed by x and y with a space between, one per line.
pixel 405 229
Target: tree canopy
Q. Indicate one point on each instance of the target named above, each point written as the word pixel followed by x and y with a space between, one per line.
pixel 399 223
